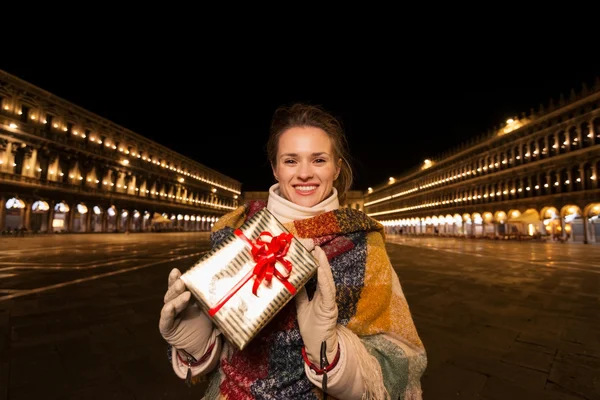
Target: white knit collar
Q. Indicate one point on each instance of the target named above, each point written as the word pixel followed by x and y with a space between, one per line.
pixel 286 211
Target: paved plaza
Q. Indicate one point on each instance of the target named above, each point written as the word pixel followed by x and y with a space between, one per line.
pixel 499 319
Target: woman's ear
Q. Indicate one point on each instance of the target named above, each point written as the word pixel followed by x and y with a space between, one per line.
pixel 339 169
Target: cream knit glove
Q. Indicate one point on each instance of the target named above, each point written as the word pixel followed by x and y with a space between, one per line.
pixel 185 326
pixel 317 318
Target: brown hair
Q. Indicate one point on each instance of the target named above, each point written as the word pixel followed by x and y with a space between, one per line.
pixel 304 115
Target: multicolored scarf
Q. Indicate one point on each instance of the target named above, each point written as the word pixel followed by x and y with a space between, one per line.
pixel 371 305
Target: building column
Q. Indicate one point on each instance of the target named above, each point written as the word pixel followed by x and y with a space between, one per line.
pixel 71 216
pixel 4 146
pixel 88 220
pixel 584 184
pixel 2 213
pixel 29 162
pixel 14 147
pixel 27 217
pixel 570 178
pixel 128 222
pixel 118 219
pixel 52 172
pixel 51 204
pixel 104 220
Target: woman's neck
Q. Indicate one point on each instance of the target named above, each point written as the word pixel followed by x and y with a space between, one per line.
pixel 286 211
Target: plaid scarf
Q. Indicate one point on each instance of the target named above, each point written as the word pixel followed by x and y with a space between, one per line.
pixel 371 305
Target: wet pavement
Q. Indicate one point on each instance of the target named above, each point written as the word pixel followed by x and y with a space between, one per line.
pixel 500 320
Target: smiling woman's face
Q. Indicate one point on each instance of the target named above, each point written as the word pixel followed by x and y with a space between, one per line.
pixel 306 166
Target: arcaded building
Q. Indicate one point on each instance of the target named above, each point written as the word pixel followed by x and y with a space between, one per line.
pixel 532 177
pixel 65 169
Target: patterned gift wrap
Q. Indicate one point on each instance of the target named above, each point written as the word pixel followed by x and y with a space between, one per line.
pixel 232 284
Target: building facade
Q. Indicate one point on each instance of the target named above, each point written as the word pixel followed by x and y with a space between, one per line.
pixel 533 177
pixel 65 169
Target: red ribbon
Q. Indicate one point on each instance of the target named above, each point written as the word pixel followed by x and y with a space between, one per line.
pixel 266 254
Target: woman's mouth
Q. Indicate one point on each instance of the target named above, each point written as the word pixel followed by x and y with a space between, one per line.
pixel 305 189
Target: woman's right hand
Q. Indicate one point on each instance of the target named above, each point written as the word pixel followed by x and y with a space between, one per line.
pixel 182 323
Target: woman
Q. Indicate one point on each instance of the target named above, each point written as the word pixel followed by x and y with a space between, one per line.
pixel 354 310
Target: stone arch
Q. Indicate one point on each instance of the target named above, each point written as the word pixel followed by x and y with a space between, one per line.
pixel 39 216
pixel 111 219
pixel 572 225
pixel 500 216
pixel 549 212
pixel 513 213
pixel 80 218
pixel 570 209
pixel 550 216
pixel 14 217
pixel 60 219
pixel 591 210
pixel 98 215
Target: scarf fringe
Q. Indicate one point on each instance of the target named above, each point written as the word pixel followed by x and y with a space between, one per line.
pixel 369 367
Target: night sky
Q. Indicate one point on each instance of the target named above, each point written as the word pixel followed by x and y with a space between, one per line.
pixel 396 113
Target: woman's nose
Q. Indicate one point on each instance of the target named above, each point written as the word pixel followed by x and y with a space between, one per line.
pixel 305 171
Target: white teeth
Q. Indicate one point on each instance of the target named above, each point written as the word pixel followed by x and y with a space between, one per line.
pixel 305 188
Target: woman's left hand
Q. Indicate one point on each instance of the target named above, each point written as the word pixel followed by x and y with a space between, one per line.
pixel 317 318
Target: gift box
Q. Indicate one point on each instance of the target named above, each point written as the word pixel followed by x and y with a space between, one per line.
pixel 250 276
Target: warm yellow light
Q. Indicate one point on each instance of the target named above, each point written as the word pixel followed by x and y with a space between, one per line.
pixel 510 121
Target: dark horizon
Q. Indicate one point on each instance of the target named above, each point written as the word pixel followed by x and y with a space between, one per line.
pixel 393 121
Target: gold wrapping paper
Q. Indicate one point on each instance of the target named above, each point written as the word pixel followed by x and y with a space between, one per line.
pixel 244 314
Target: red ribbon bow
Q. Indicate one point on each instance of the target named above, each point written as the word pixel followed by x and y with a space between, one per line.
pixel 266 254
